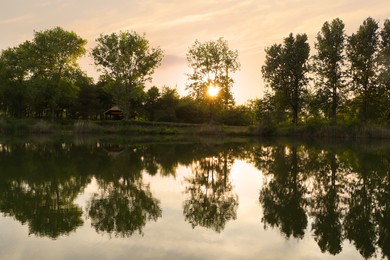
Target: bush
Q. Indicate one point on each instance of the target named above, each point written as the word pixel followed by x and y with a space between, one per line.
pixel 238 116
pixel 190 111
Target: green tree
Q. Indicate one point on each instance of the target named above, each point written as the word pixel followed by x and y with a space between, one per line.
pixel 213 63
pixel 285 71
pixel 52 63
pixel 40 77
pixel 127 62
pixel 329 63
pixel 189 110
pixel 151 102
pixel 362 51
pixel 167 104
pixel 54 53
pixel 15 96
pixel 384 65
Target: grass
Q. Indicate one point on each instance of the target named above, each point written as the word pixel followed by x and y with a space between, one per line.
pixel 337 131
pixel 133 128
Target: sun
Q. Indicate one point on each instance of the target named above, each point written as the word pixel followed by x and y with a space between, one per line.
pixel 213 91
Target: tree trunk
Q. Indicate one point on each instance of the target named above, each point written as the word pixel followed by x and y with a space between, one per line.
pixel 334 105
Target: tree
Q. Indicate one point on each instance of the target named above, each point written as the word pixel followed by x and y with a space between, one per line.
pixel 14 92
pixel 39 73
pixel 189 110
pixel 212 63
pixel 285 71
pixel 329 63
pixel 52 63
pixel 167 104
pixel 128 62
pixel 384 64
pixel 362 51
pixel 54 53
pixel 151 102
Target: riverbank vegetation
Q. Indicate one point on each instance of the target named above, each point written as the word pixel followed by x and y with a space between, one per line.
pixel 341 89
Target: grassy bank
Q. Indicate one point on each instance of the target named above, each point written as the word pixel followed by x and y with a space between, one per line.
pixel 79 127
pixel 82 127
pixel 350 132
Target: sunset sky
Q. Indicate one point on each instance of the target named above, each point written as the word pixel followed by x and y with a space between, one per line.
pixel 248 25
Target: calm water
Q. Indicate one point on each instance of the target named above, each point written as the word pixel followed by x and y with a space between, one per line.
pixel 101 199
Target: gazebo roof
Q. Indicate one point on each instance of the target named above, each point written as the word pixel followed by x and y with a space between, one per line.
pixel 113 109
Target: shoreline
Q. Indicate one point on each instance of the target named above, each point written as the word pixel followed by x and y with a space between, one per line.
pixel 14 127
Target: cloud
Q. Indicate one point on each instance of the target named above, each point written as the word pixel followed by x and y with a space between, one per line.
pixel 171 60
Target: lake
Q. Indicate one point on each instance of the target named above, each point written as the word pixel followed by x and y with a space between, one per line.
pixel 101 198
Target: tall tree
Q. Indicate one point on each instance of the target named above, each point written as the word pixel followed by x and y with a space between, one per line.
pixel 212 62
pixel 128 62
pixel 384 63
pixel 329 63
pixel 54 53
pixel 14 94
pixel 52 63
pixel 362 51
pixel 285 71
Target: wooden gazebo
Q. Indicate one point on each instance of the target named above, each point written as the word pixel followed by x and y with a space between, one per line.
pixel 114 113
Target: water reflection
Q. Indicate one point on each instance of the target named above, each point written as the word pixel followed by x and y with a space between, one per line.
pixel 211 200
pixel 124 203
pixel 282 197
pixel 343 191
pixel 38 187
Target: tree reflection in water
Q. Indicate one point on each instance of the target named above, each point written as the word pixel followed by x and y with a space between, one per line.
pixel 346 191
pixel 124 203
pixel 123 207
pixel 211 200
pixel 40 189
pixel 282 197
pixel 343 189
pixel 329 183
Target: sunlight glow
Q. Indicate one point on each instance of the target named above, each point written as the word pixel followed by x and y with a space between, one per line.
pixel 213 91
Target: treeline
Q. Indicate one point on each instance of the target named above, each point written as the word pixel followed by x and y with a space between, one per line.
pixel 42 79
pixel 346 80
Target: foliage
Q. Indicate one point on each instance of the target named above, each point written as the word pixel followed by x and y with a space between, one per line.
pixel 362 51
pixel 41 78
pixel 238 115
pixel 329 65
pixel 189 110
pixel 54 53
pixel 127 62
pixel 212 63
pixel 285 71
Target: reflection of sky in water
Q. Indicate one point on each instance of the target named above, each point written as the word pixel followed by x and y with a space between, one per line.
pixel 171 237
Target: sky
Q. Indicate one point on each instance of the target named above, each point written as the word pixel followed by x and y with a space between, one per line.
pixel 249 26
